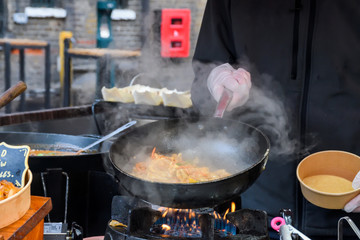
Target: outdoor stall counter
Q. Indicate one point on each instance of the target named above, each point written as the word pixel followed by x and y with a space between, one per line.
pixel 31 225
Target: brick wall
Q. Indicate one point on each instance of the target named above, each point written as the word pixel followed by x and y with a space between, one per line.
pixel 81 19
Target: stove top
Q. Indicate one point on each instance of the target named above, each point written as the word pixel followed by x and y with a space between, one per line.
pixel 135 219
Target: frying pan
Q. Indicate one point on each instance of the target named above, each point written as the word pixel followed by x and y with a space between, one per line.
pixel 238 147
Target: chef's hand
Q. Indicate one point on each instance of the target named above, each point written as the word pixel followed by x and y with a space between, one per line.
pixel 353 205
pixel 237 81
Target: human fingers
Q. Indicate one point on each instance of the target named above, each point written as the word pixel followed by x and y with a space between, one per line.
pixel 217 77
pixel 353 205
pixel 240 88
pixel 225 81
pixel 242 76
pixel 239 97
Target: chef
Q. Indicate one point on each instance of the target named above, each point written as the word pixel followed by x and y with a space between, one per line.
pixel 304 52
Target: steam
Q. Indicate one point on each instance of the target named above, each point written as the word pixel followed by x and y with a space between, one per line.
pixel 264 110
pixel 234 147
pixel 217 151
pixel 201 144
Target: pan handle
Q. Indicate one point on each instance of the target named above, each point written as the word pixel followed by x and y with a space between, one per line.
pixel 12 93
pixel 119 130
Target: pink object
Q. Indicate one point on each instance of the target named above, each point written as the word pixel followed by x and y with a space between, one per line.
pixel 236 81
pixel 277 222
pixel 223 103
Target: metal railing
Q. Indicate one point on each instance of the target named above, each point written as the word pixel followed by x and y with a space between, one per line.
pixel 2 18
pixel 21 44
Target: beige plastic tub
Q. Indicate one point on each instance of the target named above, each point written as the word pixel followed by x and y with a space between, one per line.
pixel 336 163
pixel 15 207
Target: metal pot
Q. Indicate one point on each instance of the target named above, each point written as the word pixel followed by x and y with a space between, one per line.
pixel 247 162
pixel 91 160
pixel 89 186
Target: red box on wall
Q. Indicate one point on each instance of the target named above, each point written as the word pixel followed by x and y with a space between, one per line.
pixel 175 32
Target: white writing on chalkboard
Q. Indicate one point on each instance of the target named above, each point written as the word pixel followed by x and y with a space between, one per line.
pixel 14 163
pixel 5 174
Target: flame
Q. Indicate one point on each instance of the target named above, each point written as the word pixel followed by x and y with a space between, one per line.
pixel 185 222
pixel 227 211
pixel 233 207
pixel 165 212
pixel 166 227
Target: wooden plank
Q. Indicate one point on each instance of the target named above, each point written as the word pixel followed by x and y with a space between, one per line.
pixel 100 52
pixel 43 115
pixel 31 225
pixel 37 232
pixel 23 42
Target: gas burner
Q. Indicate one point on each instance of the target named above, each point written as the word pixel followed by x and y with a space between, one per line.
pixel 187 222
pixel 135 219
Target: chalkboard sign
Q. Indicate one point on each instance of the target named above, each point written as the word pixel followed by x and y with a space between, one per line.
pixel 14 163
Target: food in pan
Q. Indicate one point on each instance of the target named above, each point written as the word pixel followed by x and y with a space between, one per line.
pixel 7 189
pixel 173 169
pixel 140 94
pixel 38 153
pixel 328 183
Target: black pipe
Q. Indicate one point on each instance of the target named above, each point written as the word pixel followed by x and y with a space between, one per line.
pixel 47 103
pixel 144 13
pixel 22 76
pixel 66 83
pixel 7 51
pixel 145 6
